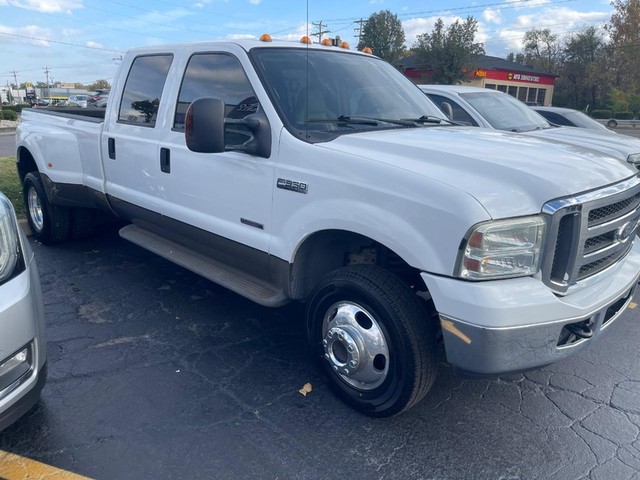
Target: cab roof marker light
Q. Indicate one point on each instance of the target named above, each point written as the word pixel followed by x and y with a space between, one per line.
pixel 327 42
pixel 265 37
pixel 305 39
pixel 344 45
pixel 367 50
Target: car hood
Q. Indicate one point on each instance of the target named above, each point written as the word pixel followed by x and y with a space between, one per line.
pixel 619 146
pixel 508 174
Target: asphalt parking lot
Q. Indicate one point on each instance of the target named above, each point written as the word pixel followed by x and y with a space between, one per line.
pixel 158 373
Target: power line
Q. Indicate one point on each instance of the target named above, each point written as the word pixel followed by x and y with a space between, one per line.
pixel 59 43
pixel 320 32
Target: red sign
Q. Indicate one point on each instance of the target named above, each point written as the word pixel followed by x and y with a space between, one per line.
pixel 514 76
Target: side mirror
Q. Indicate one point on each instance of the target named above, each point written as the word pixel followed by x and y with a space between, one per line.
pixel 448 111
pixel 260 142
pixel 204 126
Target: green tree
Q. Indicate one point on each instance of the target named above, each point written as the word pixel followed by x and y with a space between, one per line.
pixel 542 50
pixel 449 52
pixel 384 35
pixel 516 58
pixel 581 74
pixel 101 84
pixel 625 41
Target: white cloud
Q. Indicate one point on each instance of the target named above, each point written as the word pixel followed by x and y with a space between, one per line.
pixel 241 36
pixel 255 2
pixel 492 16
pixel 33 34
pixel 46 6
pixel 93 44
pixel 71 32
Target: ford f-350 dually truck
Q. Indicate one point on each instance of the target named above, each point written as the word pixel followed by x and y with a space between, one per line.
pixel 294 171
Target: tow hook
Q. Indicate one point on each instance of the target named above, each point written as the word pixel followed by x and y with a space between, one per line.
pixel 580 330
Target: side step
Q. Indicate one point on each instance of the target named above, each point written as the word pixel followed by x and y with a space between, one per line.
pixel 252 288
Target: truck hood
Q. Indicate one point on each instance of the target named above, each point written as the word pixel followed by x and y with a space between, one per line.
pixel 510 175
pixel 619 146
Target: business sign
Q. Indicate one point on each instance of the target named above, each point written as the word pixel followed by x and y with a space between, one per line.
pixel 514 76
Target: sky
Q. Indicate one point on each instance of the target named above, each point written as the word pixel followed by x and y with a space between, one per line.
pixel 80 41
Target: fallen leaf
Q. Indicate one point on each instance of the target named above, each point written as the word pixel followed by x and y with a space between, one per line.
pixel 306 388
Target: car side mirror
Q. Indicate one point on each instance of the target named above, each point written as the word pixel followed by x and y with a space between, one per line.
pixel 260 142
pixel 204 126
pixel 448 111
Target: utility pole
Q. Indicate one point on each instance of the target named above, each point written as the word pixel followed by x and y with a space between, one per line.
pixel 359 28
pixel 320 32
pixel 15 78
pixel 46 72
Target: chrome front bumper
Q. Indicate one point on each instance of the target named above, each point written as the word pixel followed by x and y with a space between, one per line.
pixel 513 325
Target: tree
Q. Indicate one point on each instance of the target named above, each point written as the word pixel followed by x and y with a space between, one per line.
pixel 583 68
pixel 448 52
pixel 625 41
pixel 516 58
pixel 383 33
pixel 101 84
pixel 542 50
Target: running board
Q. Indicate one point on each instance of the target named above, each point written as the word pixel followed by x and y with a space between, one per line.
pixel 250 287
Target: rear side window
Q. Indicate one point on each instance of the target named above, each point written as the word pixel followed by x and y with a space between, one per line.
pixel 218 75
pixel 143 90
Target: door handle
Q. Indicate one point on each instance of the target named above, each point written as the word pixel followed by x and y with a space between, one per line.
pixel 165 160
pixel 112 148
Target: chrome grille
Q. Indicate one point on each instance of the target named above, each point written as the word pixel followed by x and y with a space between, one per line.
pixel 590 232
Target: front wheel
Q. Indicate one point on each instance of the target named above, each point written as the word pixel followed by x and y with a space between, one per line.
pixel 373 338
pixel 612 124
pixel 49 223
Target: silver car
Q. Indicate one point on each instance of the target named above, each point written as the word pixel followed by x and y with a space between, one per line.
pixel 23 355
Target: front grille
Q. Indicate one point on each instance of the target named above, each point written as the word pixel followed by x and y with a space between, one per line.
pixel 589 233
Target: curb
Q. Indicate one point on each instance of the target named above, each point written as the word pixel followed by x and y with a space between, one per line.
pixel 7 130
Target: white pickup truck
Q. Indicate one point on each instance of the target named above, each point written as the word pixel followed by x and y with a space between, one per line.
pixel 288 171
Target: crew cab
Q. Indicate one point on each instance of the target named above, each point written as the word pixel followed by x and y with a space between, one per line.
pixel 295 171
pixel 487 108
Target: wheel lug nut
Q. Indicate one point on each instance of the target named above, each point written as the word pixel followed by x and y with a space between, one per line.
pixel 335 368
pixel 330 334
pixel 324 343
pixel 326 355
pixel 353 363
pixel 340 336
pixel 346 371
pixel 350 348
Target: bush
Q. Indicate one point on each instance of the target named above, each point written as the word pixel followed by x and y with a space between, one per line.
pixel 8 115
pixel 16 108
pixel 602 114
pixel 623 116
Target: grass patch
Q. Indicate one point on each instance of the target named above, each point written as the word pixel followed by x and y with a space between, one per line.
pixel 10 183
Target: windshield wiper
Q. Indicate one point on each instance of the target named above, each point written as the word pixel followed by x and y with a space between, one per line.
pixel 347 119
pixel 428 119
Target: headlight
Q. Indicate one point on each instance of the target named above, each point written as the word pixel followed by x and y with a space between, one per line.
pixel 502 249
pixel 634 159
pixel 9 245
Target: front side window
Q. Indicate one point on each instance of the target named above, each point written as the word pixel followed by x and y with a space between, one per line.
pixel 143 90
pixel 222 76
pixel 460 115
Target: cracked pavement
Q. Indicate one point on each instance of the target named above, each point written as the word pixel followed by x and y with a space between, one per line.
pixel 157 373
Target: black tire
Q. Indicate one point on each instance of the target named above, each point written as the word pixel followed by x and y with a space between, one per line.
pixel 386 306
pixel 612 124
pixel 49 223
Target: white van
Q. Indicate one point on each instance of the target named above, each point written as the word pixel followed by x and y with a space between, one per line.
pixel 23 355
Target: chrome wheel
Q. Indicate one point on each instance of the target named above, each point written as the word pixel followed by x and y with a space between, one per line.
pixel 35 209
pixel 355 346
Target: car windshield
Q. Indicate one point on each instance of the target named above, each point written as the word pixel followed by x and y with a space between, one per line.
pixel 583 121
pixel 504 112
pixel 321 94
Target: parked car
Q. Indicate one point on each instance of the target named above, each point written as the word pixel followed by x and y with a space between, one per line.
pixel 78 101
pixel 568 117
pixel 98 99
pixel 487 108
pixel 23 354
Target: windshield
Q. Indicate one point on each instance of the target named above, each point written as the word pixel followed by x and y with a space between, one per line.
pixel 582 120
pixel 321 94
pixel 504 112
